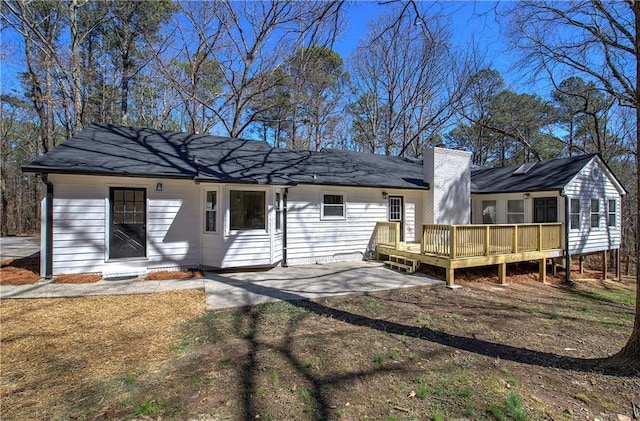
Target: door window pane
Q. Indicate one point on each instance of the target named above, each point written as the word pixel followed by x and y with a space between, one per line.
pixel 127 232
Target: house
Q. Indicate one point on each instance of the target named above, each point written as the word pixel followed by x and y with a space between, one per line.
pixel 124 201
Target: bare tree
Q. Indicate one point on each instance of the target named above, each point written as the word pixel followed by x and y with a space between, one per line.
pixel 406 81
pixel 259 38
pixel 601 41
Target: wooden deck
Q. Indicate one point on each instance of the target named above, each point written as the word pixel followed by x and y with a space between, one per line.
pixel 462 246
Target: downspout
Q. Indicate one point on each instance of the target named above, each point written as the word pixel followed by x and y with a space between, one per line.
pixel 284 228
pixel 47 232
pixel 567 226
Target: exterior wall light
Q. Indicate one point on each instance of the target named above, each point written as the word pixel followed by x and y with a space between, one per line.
pixel 159 187
pixel 526 196
pixel 385 195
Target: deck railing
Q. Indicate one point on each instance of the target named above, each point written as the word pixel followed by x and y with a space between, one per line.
pixel 387 234
pixel 456 241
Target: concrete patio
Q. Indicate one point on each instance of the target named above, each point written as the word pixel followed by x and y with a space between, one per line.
pixel 237 289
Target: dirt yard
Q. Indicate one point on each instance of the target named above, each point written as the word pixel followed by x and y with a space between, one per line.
pixel 517 352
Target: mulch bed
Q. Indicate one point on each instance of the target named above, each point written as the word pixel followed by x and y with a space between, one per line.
pixel 25 271
pixel 168 275
pixel 81 278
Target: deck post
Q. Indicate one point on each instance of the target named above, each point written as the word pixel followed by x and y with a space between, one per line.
pixel 581 263
pixel 542 270
pixel 397 239
pixel 618 277
pixel 604 265
pixel 487 239
pixel 539 246
pixel 450 276
pixel 454 241
pixel 502 273
pixel 423 241
pixel 514 242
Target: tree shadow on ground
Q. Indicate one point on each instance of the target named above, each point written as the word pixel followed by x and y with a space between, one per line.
pixel 469 344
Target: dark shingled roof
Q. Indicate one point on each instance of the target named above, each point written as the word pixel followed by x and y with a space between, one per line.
pixel 102 149
pixel 553 174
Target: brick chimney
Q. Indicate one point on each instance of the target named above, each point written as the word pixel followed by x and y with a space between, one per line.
pixel 448 172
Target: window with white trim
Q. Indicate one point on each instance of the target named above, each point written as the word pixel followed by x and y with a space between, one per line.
pixel 211 212
pixel 247 210
pixel 595 213
pixel 488 211
pixel 575 214
pixel 611 212
pixel 333 206
pixel 515 211
pixel 278 212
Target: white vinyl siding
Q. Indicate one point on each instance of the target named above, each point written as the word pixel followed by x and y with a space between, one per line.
pixel 81 217
pixel 587 239
pixel 312 239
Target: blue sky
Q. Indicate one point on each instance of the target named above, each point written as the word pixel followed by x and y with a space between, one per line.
pixel 470 21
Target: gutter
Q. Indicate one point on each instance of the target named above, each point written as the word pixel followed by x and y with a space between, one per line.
pixel 567 223
pixel 47 230
pixel 284 227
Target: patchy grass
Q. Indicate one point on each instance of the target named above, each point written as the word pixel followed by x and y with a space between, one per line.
pixel 25 271
pixel 68 358
pixel 412 354
pixel 167 275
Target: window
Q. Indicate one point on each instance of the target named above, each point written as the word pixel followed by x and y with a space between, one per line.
pixel 247 210
pixel 575 214
pixel 515 211
pixel 278 212
pixel 211 212
pixel 595 213
pixel 333 206
pixel 488 211
pixel 611 212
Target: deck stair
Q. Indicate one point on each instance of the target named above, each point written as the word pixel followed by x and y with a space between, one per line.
pixel 401 263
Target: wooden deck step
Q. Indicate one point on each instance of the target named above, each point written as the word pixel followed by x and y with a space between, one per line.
pixel 401 263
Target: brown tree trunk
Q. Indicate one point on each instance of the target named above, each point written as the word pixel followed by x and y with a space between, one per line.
pixel 628 358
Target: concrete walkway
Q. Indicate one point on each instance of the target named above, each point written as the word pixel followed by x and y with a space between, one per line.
pixel 17 247
pixel 228 290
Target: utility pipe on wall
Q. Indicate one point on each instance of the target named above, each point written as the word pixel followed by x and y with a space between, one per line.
pixel 47 230
pixel 284 228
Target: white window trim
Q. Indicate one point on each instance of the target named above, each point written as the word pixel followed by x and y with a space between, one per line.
pixel 579 214
pixel 275 210
pixel 523 213
pixel 227 211
pixel 615 212
pixel 591 213
pixel 344 205
pixel 204 221
pixel 495 209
